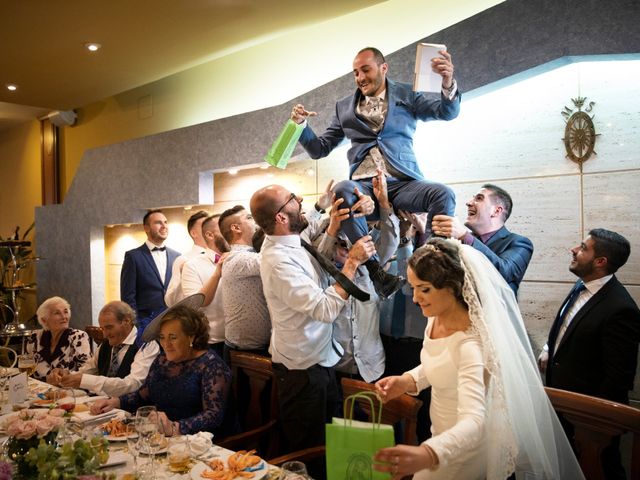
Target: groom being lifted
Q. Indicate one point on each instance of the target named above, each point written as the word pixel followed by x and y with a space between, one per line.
pixel 380 120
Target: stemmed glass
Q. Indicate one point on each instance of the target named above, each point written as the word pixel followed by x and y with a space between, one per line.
pixel 65 398
pixel 147 428
pixel 133 446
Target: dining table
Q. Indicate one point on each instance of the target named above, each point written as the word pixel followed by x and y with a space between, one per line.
pixel 121 463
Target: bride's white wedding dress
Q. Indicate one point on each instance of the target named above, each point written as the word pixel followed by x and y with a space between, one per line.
pixel 489 411
pixel 454 368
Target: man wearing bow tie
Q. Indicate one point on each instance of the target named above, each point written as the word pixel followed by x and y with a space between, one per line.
pixel 380 119
pixel 593 342
pixel 146 271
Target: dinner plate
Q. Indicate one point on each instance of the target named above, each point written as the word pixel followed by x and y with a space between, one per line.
pixel 116 458
pixel 116 438
pixel 199 467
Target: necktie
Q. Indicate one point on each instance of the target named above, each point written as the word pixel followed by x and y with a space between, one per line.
pixel 158 249
pixel 115 361
pixel 216 258
pixel 564 321
pixel 340 278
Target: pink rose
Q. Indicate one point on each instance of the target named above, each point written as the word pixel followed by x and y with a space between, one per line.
pixel 56 412
pixel 28 429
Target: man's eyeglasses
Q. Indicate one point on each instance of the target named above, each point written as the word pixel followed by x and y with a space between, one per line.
pixel 291 197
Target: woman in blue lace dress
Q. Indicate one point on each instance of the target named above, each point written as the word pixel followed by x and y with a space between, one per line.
pixel 188 383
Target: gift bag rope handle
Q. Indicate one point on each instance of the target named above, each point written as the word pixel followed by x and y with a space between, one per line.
pixel 369 396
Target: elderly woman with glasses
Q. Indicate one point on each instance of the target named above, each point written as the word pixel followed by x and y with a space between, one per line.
pixel 57 345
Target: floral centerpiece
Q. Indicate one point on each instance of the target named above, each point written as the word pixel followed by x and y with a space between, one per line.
pixel 26 429
pixel 33 447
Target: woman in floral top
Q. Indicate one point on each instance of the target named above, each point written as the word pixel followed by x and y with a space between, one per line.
pixel 57 345
pixel 188 382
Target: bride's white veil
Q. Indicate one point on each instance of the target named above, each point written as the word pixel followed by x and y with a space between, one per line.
pixel 522 430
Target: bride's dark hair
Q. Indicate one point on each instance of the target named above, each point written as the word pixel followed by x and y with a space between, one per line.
pixel 438 263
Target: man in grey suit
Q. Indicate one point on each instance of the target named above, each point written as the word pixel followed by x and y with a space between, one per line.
pixel 484 230
pixel 146 271
pixel 380 119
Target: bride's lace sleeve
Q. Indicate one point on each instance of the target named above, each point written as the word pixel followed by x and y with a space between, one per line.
pixel 469 429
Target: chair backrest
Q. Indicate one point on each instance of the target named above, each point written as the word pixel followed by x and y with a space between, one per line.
pixel 8 357
pixel 95 333
pixel 596 421
pixel 254 388
pixel 402 409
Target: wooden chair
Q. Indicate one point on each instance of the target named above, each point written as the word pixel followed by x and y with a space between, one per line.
pixel 403 409
pixel 95 334
pixel 8 357
pixel 596 421
pixel 259 418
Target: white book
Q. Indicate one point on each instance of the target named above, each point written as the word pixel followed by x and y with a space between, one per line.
pixel 425 79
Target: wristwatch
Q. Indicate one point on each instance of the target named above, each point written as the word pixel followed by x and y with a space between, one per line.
pixel 318 209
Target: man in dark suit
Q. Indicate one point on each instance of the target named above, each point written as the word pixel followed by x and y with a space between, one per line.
pixel 484 230
pixel 593 342
pixel 380 119
pixel 146 271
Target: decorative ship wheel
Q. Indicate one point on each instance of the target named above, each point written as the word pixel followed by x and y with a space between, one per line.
pixel 579 132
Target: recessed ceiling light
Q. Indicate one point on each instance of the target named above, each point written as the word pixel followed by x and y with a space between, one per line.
pixel 264 166
pixel 92 47
pixel 11 87
pixel 233 171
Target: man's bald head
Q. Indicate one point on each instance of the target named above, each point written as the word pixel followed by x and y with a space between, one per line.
pixel 264 204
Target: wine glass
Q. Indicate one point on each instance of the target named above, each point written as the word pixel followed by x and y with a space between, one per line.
pixel 147 428
pixel 27 363
pixel 133 446
pixel 294 471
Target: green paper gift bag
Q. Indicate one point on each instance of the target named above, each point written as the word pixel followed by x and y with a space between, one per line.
pixel 351 444
pixel 281 150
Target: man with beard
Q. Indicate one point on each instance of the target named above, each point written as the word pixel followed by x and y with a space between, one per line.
pixel 593 342
pixel 201 274
pixel 194 227
pixel 487 212
pixel 303 307
pixel 380 119
pixel 146 271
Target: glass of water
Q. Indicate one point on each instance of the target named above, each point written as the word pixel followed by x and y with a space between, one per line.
pixel 294 471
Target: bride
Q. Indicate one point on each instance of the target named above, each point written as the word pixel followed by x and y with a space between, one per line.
pixel 490 414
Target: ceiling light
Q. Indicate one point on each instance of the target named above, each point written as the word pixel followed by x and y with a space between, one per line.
pixel 187 208
pixel 92 47
pixel 264 166
pixel 11 87
pixel 233 171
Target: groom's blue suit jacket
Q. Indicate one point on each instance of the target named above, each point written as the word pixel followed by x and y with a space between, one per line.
pixel 395 140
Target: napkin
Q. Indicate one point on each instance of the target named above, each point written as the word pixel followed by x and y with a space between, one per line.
pixel 87 417
pixel 200 443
